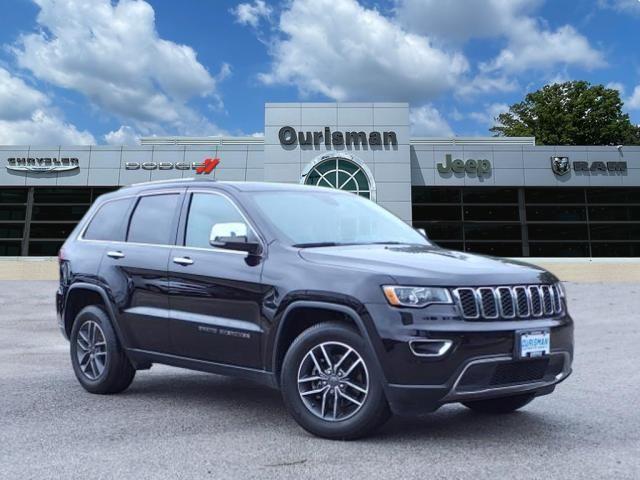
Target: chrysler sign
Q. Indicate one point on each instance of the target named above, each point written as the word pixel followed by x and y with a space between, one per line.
pixel 42 164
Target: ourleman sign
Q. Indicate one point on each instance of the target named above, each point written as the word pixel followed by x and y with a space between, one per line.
pixel 42 164
pixel 288 136
pixel 470 166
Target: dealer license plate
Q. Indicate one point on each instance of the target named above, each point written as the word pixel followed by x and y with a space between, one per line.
pixel 535 344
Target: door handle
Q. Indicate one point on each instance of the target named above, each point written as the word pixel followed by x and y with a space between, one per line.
pixel 115 254
pixel 182 260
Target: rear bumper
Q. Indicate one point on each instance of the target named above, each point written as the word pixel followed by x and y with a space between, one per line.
pixel 482 360
pixel 59 312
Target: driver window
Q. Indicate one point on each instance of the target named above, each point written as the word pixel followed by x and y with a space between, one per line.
pixel 205 211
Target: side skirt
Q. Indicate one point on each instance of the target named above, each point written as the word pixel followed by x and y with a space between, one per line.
pixel 259 376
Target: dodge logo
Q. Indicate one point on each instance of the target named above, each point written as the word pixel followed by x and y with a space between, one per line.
pixel 560 165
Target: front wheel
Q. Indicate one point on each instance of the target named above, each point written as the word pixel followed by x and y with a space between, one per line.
pixel 329 384
pixel 500 405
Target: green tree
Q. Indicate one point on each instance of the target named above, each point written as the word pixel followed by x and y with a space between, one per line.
pixel 570 113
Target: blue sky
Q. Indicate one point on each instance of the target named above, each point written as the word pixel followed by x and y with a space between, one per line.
pixel 100 71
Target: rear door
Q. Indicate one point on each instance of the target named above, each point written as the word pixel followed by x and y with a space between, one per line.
pixel 216 295
pixel 136 270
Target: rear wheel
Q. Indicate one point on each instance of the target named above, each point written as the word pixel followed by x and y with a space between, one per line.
pixel 98 360
pixel 500 405
pixel 329 384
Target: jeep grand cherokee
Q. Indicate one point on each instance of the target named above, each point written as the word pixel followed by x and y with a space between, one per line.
pixel 346 309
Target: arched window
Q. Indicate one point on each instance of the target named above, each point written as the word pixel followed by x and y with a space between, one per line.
pixel 340 173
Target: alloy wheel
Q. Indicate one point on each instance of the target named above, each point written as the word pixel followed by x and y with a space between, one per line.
pixel 333 381
pixel 91 350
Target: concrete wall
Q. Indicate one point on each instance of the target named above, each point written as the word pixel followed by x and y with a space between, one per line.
pixel 568 270
pixel 523 165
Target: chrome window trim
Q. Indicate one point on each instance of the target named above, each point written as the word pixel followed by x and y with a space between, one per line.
pixel 81 238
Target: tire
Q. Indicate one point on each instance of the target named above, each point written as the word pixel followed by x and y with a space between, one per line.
pixel 365 410
pixel 500 405
pixel 108 370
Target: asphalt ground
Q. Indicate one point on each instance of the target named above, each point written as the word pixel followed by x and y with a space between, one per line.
pixel 174 423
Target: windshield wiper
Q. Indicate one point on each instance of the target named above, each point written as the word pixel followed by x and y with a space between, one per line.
pixel 318 244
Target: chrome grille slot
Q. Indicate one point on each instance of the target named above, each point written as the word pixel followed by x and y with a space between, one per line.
pixel 547 301
pixel 467 302
pixel 522 300
pixel 536 300
pixel 488 304
pixel 504 302
pixel 557 300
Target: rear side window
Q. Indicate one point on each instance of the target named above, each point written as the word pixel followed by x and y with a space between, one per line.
pixel 110 222
pixel 152 219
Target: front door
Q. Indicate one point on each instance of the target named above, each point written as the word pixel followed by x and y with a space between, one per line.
pixel 215 294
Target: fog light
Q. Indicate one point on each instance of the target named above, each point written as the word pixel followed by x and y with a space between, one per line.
pixel 430 347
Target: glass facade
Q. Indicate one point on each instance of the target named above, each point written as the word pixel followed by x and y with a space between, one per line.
pixel 35 221
pixel 504 221
pixel 532 222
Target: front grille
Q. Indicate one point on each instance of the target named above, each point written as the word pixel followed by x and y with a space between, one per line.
pixel 519 372
pixel 523 301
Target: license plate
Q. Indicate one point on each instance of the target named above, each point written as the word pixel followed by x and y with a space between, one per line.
pixel 535 344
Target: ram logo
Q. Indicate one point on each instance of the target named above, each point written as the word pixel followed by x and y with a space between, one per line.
pixel 560 165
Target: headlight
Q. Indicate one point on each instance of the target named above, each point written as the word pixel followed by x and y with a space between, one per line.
pixel 415 296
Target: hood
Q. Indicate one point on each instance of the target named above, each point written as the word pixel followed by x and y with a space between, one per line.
pixel 428 265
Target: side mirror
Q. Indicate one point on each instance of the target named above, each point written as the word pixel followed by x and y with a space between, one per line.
pixel 422 232
pixel 233 236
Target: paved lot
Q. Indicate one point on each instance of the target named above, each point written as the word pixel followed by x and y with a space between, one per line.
pixel 174 423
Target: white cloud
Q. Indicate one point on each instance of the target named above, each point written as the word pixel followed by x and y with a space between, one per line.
pixel 532 48
pixel 489 116
pixel 111 53
pixel 26 118
pixel 483 84
pixel 42 128
pixel 633 102
pixel 458 21
pixel 427 121
pixel 17 99
pixel 251 14
pixel 616 86
pixel 623 6
pixel 125 135
pixel 356 53
pixel 530 44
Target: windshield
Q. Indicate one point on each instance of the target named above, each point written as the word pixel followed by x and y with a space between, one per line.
pixel 316 218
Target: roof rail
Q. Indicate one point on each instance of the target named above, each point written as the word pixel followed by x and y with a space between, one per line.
pixel 170 180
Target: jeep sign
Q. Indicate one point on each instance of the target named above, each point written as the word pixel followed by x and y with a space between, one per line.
pixel 470 166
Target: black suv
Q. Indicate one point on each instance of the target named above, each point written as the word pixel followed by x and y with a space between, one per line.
pixel 320 293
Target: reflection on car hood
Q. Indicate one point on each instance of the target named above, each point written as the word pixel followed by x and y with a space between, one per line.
pixel 428 265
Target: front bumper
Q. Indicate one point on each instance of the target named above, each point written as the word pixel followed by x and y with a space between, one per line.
pixel 481 362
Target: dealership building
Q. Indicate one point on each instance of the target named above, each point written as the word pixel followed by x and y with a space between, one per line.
pixel 500 196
